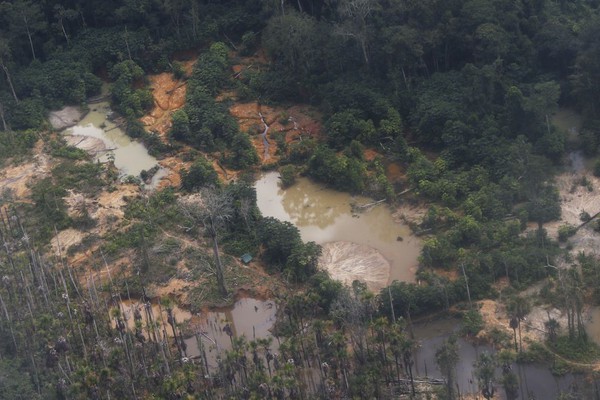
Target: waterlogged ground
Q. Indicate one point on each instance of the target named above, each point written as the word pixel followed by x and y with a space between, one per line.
pixel 324 216
pixel 535 381
pixel 207 334
pixel 249 318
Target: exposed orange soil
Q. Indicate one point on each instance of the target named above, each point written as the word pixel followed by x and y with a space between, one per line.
pixel 173 165
pixel 494 316
pixel 176 288
pixel 395 172
pixel 169 96
pixel 371 154
pixel 295 123
pixel 17 178
pixel 451 274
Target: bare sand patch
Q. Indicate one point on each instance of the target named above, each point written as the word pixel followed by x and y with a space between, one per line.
pixel 65 118
pixel 347 262
pixel 65 239
pixel 16 179
pixel 409 214
pixel 579 192
pixel 90 145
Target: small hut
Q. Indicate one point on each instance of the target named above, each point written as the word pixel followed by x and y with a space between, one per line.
pixel 246 258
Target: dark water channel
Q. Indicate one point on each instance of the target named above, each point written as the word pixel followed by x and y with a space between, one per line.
pixel 535 381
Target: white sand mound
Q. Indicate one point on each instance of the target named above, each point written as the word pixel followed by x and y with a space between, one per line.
pixel 347 262
pixel 89 144
pixel 65 118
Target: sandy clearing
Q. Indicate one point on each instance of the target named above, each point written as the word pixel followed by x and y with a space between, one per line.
pixel 347 262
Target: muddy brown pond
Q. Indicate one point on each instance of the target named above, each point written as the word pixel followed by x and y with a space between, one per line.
pixel 325 216
pixel 98 135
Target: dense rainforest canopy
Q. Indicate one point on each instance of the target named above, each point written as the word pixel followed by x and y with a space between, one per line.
pixel 458 92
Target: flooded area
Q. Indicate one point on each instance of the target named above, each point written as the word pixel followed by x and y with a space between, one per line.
pixel 206 334
pixel 100 136
pixel 214 330
pixel 324 216
pixel 535 381
pixel 592 324
pixel 158 313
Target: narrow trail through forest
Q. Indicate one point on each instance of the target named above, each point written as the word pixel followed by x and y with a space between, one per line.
pixel 595 365
pixel 264 135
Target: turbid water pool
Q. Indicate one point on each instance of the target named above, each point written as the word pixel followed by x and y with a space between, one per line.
pixel 104 139
pixel 324 216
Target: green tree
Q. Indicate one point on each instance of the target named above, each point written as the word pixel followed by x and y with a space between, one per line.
pixel 287 175
pixel 200 174
pixel 294 42
pixel 15 383
pixel 355 16
pixel 25 18
pixel 279 238
pixel 345 126
pixel 242 152
pixel 302 262
pixel 180 126
pixel 446 358
pixel 5 55
pixel 485 372
pixel 544 205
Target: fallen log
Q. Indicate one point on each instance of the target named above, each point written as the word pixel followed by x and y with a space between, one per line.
pixel 588 221
pixel 369 204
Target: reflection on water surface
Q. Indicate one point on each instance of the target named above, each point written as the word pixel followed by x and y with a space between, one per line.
pixel 323 215
pixel 130 157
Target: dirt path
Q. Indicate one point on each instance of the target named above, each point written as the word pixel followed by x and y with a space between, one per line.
pixel 594 366
pixel 264 137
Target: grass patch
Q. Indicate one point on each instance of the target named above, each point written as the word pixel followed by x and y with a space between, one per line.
pixel 207 294
pixel 577 350
pixel 14 145
pixel 535 353
pixel 83 177
pixel 62 150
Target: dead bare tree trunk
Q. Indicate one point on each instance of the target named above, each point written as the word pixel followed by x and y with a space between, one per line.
pixel 218 264
pixel 10 84
pixel 4 126
pixel 26 21
pixel 213 210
